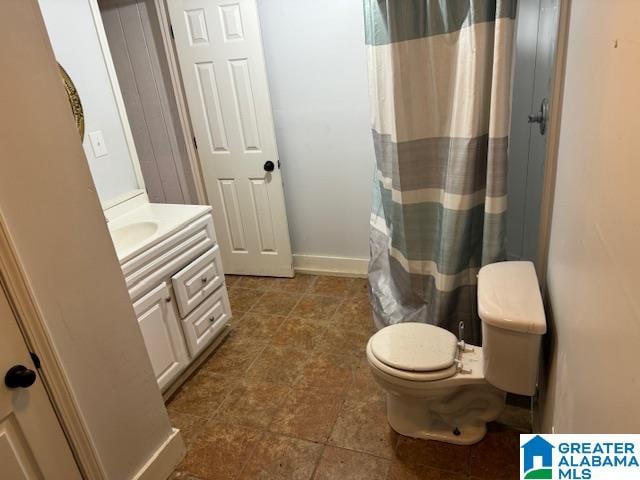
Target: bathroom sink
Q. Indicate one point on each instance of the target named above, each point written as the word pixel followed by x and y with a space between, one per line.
pixel 132 234
pixel 142 227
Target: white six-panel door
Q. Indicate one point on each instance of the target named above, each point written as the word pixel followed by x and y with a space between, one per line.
pixel 221 59
pixel 32 444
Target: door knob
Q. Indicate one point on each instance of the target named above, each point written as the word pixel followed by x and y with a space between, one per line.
pixel 19 376
pixel 541 116
pixel 269 166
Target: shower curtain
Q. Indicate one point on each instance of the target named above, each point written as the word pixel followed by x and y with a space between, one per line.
pixel 440 84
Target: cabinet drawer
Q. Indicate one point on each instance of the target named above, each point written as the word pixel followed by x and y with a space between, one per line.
pixel 144 271
pixel 197 280
pixel 206 321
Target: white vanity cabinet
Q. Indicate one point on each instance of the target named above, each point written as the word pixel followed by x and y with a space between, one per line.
pixel 176 282
pixel 161 333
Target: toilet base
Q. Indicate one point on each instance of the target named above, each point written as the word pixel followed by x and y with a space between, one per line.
pixel 444 422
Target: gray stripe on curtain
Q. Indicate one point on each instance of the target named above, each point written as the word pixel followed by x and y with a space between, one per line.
pixel 442 163
pixel 428 231
pixel 411 19
pixel 416 298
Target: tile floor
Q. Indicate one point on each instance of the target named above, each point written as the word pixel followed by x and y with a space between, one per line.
pixel 288 395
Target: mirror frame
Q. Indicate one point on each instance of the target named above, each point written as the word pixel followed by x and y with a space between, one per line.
pixel 138 196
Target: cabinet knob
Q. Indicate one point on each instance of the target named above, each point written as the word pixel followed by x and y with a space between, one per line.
pixel 212 319
pixel 204 279
pixel 168 299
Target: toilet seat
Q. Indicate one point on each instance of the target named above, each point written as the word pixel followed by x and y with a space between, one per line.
pixel 414 351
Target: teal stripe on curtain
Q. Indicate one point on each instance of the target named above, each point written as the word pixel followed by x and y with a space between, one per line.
pixel 388 22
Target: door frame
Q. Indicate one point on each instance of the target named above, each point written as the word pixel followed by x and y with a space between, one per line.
pixel 31 323
pixel 551 157
pixel 181 102
pixel 176 87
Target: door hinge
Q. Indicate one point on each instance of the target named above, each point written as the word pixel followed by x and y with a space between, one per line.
pixel 35 359
pixel 171 32
pixel 195 144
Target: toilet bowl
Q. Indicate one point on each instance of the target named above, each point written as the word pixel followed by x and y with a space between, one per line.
pixel 443 389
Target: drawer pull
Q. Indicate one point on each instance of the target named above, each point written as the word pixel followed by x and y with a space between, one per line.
pixel 212 319
pixel 204 279
pixel 168 299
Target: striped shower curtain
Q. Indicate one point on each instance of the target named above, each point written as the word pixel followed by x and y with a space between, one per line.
pixel 440 84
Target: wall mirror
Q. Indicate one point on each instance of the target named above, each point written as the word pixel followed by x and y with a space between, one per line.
pixel 80 46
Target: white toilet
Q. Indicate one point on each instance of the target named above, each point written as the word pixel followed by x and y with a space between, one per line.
pixel 439 388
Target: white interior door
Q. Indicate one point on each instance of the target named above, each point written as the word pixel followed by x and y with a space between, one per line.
pixel 221 59
pixel 32 444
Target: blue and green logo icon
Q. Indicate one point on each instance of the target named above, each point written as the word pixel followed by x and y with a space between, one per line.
pixel 537 461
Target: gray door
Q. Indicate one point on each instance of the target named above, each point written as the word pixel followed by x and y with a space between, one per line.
pixel 536 42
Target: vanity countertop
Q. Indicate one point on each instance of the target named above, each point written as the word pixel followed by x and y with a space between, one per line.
pixel 140 228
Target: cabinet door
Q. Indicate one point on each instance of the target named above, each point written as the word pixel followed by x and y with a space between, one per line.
pixel 162 334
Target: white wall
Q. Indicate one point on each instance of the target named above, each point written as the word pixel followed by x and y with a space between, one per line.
pixel 54 218
pixel 594 256
pixel 317 71
pixel 74 38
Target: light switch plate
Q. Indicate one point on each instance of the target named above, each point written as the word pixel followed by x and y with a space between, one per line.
pixel 98 145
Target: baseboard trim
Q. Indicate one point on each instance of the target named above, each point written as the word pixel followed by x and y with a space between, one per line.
pixel 164 460
pixel 339 266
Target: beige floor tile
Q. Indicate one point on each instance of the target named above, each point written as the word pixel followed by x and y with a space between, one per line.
pixel 257 327
pixel 332 286
pixel 439 455
pixel 243 299
pixel 354 307
pixel 298 284
pixel 282 458
pixel 255 283
pixel 331 373
pixel 364 385
pixel 221 452
pixel 401 471
pixel 276 303
pixel 278 364
pixel 280 387
pixel 189 425
pixel 308 414
pixel 361 324
pixel 362 426
pixel 496 456
pixel 359 288
pixel 233 357
pixel 340 464
pixel 301 333
pixel 343 342
pixel 316 307
pixel 202 395
pixel 253 404
pixel 231 280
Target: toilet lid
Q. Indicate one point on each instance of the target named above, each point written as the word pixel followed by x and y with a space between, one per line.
pixel 416 347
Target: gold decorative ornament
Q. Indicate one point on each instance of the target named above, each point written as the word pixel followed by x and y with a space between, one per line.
pixel 74 101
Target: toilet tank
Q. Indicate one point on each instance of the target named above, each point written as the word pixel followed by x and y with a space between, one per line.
pixel 513 322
